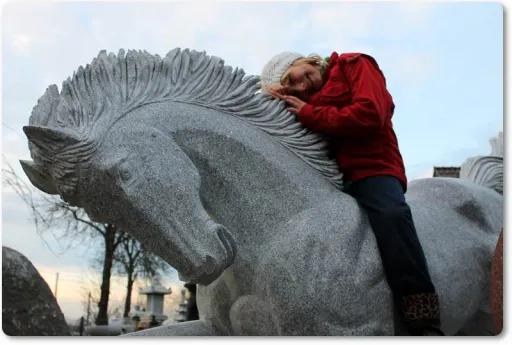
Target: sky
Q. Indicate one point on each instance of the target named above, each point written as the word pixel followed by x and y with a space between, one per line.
pixel 443 63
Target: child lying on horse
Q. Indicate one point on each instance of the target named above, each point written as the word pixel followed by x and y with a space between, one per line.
pixel 345 96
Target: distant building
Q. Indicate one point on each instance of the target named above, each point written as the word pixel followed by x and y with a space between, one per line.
pixel 453 172
pixel 446 172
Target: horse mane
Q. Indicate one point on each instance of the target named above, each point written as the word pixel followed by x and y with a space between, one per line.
pixel 111 86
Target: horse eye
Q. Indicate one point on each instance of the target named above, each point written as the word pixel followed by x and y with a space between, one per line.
pixel 124 172
pixel 125 175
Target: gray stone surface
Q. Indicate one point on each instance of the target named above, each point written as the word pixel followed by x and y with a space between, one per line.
pixel 192 328
pixel 28 305
pixel 228 188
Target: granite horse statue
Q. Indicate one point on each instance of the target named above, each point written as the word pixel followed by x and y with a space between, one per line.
pixel 225 185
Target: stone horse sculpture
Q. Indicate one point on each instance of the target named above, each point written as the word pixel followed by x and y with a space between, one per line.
pixel 227 187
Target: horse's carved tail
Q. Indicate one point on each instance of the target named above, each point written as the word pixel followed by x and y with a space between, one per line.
pixel 486 171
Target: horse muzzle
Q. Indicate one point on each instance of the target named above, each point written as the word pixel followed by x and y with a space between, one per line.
pixel 222 254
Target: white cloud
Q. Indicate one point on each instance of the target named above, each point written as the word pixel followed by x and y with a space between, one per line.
pixel 410 68
pixel 26 24
pixel 415 13
pixel 426 174
pixel 12 138
pixel 20 43
pixel 348 21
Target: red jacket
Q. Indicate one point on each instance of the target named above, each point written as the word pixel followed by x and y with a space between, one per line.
pixel 355 108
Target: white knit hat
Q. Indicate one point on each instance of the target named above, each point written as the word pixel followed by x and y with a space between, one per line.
pixel 276 67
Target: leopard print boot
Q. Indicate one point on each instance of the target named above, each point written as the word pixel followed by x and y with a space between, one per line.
pixel 421 314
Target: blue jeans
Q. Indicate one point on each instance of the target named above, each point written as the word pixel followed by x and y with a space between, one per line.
pixel 382 197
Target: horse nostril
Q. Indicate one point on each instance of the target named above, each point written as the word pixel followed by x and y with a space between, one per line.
pixel 210 264
pixel 228 241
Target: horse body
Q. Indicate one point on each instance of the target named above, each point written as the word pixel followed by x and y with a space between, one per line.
pixel 258 222
pixel 295 217
pixel 316 245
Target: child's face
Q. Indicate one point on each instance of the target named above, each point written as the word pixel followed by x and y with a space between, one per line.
pixel 304 80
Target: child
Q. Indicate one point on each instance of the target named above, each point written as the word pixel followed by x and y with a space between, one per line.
pixel 346 98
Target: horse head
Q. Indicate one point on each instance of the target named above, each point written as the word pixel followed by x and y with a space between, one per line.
pixel 120 180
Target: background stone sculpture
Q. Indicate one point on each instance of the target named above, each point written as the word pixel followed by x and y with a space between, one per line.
pixel 486 170
pixel 497 286
pixel 227 187
pixel 28 305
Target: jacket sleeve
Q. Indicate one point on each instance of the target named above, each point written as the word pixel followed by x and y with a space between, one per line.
pixel 367 113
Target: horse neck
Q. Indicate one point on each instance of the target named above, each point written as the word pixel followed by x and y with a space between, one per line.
pixel 249 181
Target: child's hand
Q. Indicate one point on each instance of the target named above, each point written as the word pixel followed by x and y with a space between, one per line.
pixel 277 91
pixel 295 104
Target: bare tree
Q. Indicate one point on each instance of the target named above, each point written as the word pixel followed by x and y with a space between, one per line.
pixel 67 224
pixel 91 296
pixel 112 239
pixel 134 261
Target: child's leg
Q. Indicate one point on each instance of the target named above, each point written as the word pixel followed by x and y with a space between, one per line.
pixel 402 255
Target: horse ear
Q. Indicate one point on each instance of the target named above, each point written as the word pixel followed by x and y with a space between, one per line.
pixel 39 179
pixel 49 140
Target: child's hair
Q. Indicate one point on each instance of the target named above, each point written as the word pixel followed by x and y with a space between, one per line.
pixel 313 59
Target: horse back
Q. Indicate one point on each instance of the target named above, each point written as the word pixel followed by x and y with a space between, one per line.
pixel 457 198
